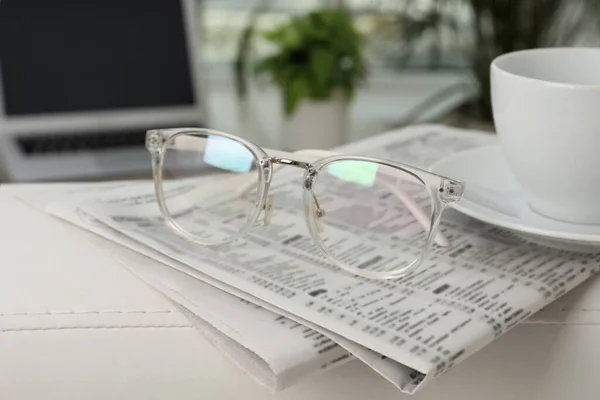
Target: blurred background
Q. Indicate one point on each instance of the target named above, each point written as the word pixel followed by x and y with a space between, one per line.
pixel 81 82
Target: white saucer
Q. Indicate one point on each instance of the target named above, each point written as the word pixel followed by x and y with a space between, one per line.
pixel 493 195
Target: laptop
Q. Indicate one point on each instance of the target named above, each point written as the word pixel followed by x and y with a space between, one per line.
pixel 82 81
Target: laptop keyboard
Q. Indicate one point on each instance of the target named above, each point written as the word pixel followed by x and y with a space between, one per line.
pixel 89 141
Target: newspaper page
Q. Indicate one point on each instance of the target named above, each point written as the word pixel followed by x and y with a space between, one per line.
pixel 416 327
pixel 258 356
pixel 276 351
pixel 239 335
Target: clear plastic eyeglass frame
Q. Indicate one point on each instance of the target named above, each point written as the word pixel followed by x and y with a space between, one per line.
pixel 442 191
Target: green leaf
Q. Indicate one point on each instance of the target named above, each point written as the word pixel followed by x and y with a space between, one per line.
pixel 274 36
pixel 294 92
pixel 322 65
pixel 284 36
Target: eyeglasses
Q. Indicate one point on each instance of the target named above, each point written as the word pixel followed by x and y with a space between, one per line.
pixel 372 217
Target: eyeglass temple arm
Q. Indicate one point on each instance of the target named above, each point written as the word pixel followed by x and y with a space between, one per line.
pixel 312 155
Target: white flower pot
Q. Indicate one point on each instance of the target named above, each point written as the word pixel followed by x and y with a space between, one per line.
pixel 316 125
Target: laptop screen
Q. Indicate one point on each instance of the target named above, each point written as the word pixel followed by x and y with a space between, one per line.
pixel 73 55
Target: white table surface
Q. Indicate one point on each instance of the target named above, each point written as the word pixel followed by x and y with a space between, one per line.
pixel 74 325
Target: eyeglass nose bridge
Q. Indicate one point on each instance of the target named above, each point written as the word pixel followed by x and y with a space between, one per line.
pixel 293 163
pixel 319 213
pixel 298 164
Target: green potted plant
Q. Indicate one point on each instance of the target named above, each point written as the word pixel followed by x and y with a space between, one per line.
pixel 317 64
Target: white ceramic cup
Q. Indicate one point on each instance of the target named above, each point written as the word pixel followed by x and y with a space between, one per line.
pixel 546 105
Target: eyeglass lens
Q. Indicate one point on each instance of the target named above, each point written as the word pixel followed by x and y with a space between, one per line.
pixel 207 208
pixel 371 216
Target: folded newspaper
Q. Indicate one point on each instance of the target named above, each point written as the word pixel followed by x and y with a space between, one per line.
pixel 279 310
